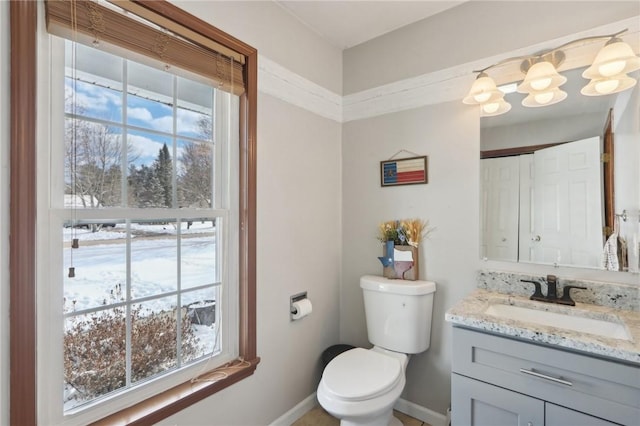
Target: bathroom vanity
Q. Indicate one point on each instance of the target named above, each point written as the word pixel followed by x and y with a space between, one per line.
pixel 511 369
pixel 499 381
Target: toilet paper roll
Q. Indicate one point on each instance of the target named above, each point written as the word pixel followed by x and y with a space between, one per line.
pixel 301 309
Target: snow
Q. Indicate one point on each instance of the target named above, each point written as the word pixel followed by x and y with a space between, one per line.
pixel 100 265
pixel 101 272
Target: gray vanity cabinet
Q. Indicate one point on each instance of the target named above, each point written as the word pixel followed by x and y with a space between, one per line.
pixel 480 404
pixel 556 415
pixel 503 381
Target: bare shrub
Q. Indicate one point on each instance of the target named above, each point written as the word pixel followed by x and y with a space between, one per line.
pixel 95 349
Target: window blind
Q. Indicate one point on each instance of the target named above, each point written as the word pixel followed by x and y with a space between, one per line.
pixel 128 25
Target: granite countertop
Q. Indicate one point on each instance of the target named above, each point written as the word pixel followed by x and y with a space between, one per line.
pixel 470 312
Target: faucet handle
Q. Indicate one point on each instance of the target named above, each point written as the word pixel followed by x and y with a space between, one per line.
pixel 537 294
pixel 566 295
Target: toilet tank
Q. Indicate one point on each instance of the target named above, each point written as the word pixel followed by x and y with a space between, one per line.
pixel 398 313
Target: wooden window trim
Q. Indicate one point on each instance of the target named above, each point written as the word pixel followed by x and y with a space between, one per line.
pixel 22 239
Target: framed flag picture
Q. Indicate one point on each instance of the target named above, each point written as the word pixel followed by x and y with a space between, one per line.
pixel 405 171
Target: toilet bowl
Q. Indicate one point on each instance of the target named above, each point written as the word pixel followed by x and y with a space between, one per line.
pixel 361 386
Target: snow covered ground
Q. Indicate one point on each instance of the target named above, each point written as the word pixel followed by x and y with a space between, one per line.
pixel 100 264
pixel 101 272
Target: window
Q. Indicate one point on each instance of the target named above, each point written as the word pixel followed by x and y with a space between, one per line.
pixel 142 284
pixel 150 239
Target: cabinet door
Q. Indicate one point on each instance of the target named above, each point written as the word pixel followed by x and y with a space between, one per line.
pixel 561 416
pixel 475 403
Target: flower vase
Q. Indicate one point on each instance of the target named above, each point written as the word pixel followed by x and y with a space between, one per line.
pixel 388 269
pixel 407 269
pixel 400 261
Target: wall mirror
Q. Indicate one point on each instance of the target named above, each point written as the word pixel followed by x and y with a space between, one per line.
pixel 548 194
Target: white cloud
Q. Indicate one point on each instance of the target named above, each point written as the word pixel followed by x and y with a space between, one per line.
pixel 188 121
pixel 142 114
pixel 94 98
pixel 162 124
pixel 146 148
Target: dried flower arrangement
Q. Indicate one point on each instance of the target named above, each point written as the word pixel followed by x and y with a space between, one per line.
pixel 404 232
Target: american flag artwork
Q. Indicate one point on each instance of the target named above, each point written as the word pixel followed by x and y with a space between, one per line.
pixel 403 172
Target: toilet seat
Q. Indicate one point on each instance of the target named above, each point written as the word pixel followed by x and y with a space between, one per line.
pixel 360 374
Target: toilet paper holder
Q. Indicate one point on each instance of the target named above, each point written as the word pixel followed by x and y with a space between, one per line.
pixel 293 299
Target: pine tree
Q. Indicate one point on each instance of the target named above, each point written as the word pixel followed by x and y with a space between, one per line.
pixel 162 171
pixel 144 187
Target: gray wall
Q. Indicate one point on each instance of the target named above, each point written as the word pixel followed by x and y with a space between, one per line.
pixel 471 31
pixel 449 134
pixel 298 250
pixel 277 35
pixel 539 132
pixel 626 161
pixel 298 228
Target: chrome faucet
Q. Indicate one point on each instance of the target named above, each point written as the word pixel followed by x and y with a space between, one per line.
pixel 552 291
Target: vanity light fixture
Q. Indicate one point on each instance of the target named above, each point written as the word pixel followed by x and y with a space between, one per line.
pixel 544 98
pixel 542 80
pixel 609 71
pixel 489 109
pixel 541 76
pixel 608 74
pixel 482 91
pixel 485 93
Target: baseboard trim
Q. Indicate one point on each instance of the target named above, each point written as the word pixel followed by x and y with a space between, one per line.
pixel 296 412
pixel 421 413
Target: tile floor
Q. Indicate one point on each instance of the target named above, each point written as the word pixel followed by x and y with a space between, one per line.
pixel 318 417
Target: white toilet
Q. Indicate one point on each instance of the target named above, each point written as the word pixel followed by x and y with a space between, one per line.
pixel 361 386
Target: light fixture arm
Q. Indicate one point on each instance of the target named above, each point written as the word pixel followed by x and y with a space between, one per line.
pixel 552 55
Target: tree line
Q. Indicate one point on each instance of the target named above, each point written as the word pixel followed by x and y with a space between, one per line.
pixel 93 169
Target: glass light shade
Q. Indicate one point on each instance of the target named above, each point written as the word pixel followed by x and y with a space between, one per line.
pixel 607 86
pixel 483 90
pixel 613 59
pixel 541 76
pixel 541 83
pixel 494 108
pixel 546 98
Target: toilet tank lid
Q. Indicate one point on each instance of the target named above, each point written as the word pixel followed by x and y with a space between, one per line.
pixel 385 285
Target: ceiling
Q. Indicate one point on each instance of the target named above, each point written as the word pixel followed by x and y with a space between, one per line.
pixel 345 24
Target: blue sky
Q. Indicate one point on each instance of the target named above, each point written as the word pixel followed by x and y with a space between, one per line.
pixel 99 102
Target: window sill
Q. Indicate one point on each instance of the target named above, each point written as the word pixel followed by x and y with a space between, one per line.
pixel 178 398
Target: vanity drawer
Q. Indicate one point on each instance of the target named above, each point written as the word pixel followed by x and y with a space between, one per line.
pixel 599 387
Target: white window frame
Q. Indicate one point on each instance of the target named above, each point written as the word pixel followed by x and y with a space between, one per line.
pixel 50 220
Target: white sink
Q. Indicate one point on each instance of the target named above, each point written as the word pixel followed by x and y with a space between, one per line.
pixel 600 327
